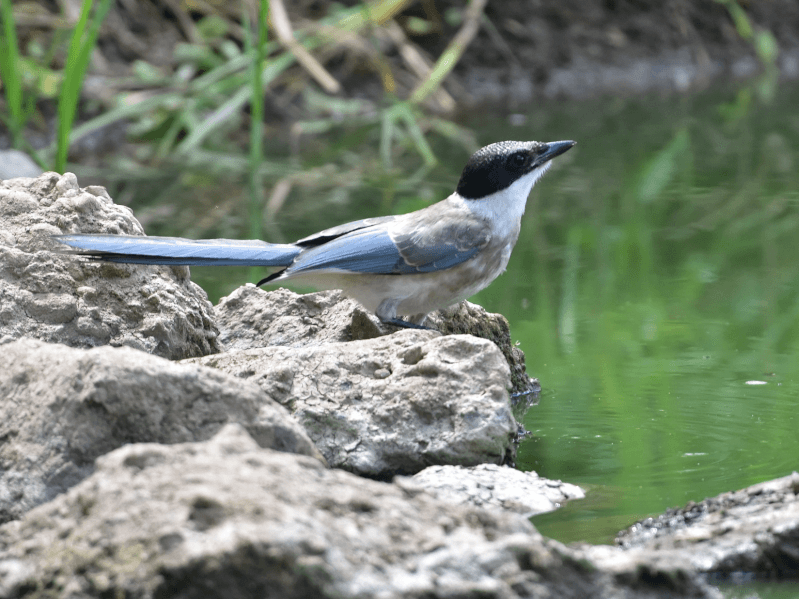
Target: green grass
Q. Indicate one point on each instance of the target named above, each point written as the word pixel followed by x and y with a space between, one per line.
pixel 83 42
pixel 21 103
pixel 11 74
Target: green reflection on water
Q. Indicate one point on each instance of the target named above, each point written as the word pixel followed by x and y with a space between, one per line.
pixel 760 590
pixel 655 276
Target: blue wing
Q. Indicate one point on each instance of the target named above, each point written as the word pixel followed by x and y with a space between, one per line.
pixel 337 231
pixel 383 249
pixel 131 249
pixel 369 250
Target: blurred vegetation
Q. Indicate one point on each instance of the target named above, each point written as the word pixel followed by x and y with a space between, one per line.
pixel 26 80
pixel 335 81
pixel 194 114
pixel 764 44
pixel 187 121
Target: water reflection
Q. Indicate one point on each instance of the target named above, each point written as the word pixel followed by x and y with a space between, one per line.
pixel 760 590
pixel 655 277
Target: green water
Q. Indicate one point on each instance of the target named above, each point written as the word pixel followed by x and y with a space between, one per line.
pixel 760 590
pixel 655 296
pixel 656 280
pixel 655 293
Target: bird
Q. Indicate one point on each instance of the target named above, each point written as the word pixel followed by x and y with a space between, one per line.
pixel 399 267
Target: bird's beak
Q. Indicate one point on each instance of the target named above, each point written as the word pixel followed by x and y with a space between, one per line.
pixel 551 150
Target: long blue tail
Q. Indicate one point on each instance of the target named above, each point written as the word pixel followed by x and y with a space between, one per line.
pixel 130 249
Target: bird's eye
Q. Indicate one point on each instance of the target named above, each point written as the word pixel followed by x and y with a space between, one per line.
pixel 518 160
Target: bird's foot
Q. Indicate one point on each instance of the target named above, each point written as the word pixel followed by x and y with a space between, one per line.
pixel 398 322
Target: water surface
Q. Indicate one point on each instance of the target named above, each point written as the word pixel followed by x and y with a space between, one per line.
pixel 655 294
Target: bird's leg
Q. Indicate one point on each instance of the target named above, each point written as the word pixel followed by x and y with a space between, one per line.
pixel 398 322
pixel 387 313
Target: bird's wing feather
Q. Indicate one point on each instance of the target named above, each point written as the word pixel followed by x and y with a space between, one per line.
pixel 444 244
pixel 393 250
pixel 339 230
pixel 132 249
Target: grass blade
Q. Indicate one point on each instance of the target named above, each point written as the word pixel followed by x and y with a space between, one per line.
pixel 10 72
pixel 84 38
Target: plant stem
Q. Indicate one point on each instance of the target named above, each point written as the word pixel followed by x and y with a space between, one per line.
pixel 10 73
pixel 84 38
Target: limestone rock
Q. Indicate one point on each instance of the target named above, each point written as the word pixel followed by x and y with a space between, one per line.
pixel 57 297
pixel 390 405
pixel 60 408
pixel 751 533
pixel 225 518
pixel 251 317
pixel 466 318
pixel 489 485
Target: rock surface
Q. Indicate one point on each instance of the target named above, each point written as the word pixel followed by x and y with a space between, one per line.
pixel 391 405
pixel 226 518
pixel 489 485
pixel 60 408
pixel 57 297
pixel 466 318
pixel 754 532
pixel 251 317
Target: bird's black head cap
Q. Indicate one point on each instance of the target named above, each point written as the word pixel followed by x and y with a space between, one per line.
pixel 496 167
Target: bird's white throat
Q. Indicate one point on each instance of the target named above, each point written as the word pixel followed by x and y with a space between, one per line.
pixel 504 209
